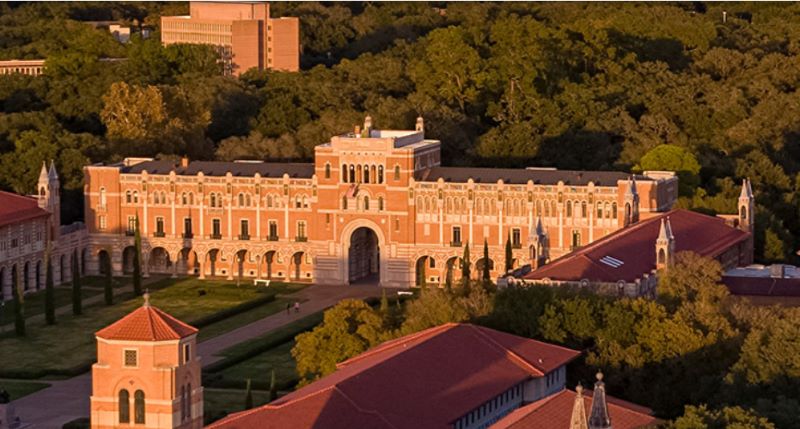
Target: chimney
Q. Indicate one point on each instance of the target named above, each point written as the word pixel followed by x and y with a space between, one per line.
pixel 185 161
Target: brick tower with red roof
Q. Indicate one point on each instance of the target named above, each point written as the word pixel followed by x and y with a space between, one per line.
pixel 147 373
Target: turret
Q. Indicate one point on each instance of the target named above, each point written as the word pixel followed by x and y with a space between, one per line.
pixel 599 419
pixel 538 248
pixel 631 203
pixel 48 190
pixel 367 131
pixel 746 206
pixel 420 124
pixel 578 419
pixel 665 245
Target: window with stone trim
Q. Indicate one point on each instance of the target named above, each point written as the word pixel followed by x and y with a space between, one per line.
pixel 130 357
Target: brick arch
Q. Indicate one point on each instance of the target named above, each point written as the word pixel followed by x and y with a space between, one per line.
pixel 346 237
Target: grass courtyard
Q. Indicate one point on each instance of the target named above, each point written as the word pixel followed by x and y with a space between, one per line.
pixel 69 346
pixel 18 388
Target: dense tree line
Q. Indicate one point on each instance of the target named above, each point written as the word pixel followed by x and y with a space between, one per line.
pixel 695 354
pixel 578 85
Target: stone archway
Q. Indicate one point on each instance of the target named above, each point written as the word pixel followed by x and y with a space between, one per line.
pixel 364 239
pixel 363 259
pixel 128 255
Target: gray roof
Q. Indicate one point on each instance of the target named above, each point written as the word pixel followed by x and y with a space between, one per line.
pixel 220 168
pixel 521 176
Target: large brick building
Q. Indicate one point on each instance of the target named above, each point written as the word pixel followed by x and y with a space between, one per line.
pixel 244 32
pixel 27 225
pixel 375 204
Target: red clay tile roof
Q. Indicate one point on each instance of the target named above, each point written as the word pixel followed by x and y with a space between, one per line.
pixel 555 412
pixel 428 379
pixel 17 208
pixel 147 323
pixel 635 246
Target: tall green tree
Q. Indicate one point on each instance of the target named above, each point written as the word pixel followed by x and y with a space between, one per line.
pixel 509 255
pixel 108 286
pixel 77 299
pixel 49 291
pixel 248 396
pixel 137 260
pixel 273 387
pixel 19 305
pixel 465 267
pixel 485 268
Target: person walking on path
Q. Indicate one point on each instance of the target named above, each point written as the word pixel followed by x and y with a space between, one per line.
pixel 288 307
pixel 296 306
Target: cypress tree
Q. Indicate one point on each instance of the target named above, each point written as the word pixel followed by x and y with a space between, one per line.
pixel 248 397
pixel 19 310
pixel 273 387
pixel 49 291
pixel 77 303
pixel 137 260
pixel 108 288
pixel 486 276
pixel 421 281
pixel 465 267
pixel 509 255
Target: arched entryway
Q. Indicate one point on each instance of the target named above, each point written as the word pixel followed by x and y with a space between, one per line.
pixel 127 259
pixel 159 261
pixel 453 274
pixel 296 268
pixel 26 276
pixel 238 263
pixel 425 265
pixel 187 262
pixel 39 275
pixel 104 261
pixel 62 268
pixel 363 259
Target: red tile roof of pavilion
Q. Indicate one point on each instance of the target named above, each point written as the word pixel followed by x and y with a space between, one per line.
pixel 18 208
pixel 635 246
pixel 555 411
pixel 147 323
pixel 428 379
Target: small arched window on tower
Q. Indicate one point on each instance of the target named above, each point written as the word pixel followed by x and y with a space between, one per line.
pixel 213 200
pixel 102 197
pixel 380 174
pixel 327 170
pixel 241 199
pixel 124 406
pixel 128 198
pixel 184 199
pixel 584 212
pixel 366 202
pixel 397 172
pixel 380 203
pixel 269 201
pixel 344 202
pixel 352 170
pixel 569 208
pixel 135 197
pixel 138 407
pixel 41 191
pixel 662 257
pixel 305 202
pixel 344 173
pixel 743 215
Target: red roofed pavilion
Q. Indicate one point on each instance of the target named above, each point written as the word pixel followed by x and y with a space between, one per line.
pixel 147 373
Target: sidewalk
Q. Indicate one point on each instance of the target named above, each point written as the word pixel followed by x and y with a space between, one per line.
pixel 67 400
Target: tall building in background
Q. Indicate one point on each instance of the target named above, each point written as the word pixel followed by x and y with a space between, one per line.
pixel 244 32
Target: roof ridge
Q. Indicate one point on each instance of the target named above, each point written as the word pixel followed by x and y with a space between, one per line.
pixel 361 409
pixel 514 356
pixel 393 343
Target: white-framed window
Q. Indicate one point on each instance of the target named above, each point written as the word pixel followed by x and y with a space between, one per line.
pixel 102 223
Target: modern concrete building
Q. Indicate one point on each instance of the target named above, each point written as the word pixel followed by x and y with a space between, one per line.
pixel 244 32
pixel 375 205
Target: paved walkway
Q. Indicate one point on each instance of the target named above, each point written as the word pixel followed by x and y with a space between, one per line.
pixel 67 400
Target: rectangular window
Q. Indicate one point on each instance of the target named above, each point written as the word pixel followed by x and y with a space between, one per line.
pixel 397 225
pixel 131 358
pixel 131 225
pixel 301 231
pixel 186 353
pixel 187 227
pixel 456 236
pixel 159 226
pixel 516 238
pixel 273 230
pixel 244 232
pixel 101 223
pixel 216 229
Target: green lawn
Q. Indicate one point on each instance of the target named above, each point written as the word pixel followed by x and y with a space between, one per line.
pixel 19 388
pixel 275 337
pixel 241 319
pixel 259 368
pixel 70 343
pixel 217 403
pixel 34 302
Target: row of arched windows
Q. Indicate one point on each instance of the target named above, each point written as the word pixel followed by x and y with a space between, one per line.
pixel 159 197
pixel 485 206
pixel 131 197
pixel 352 173
pixel 125 407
